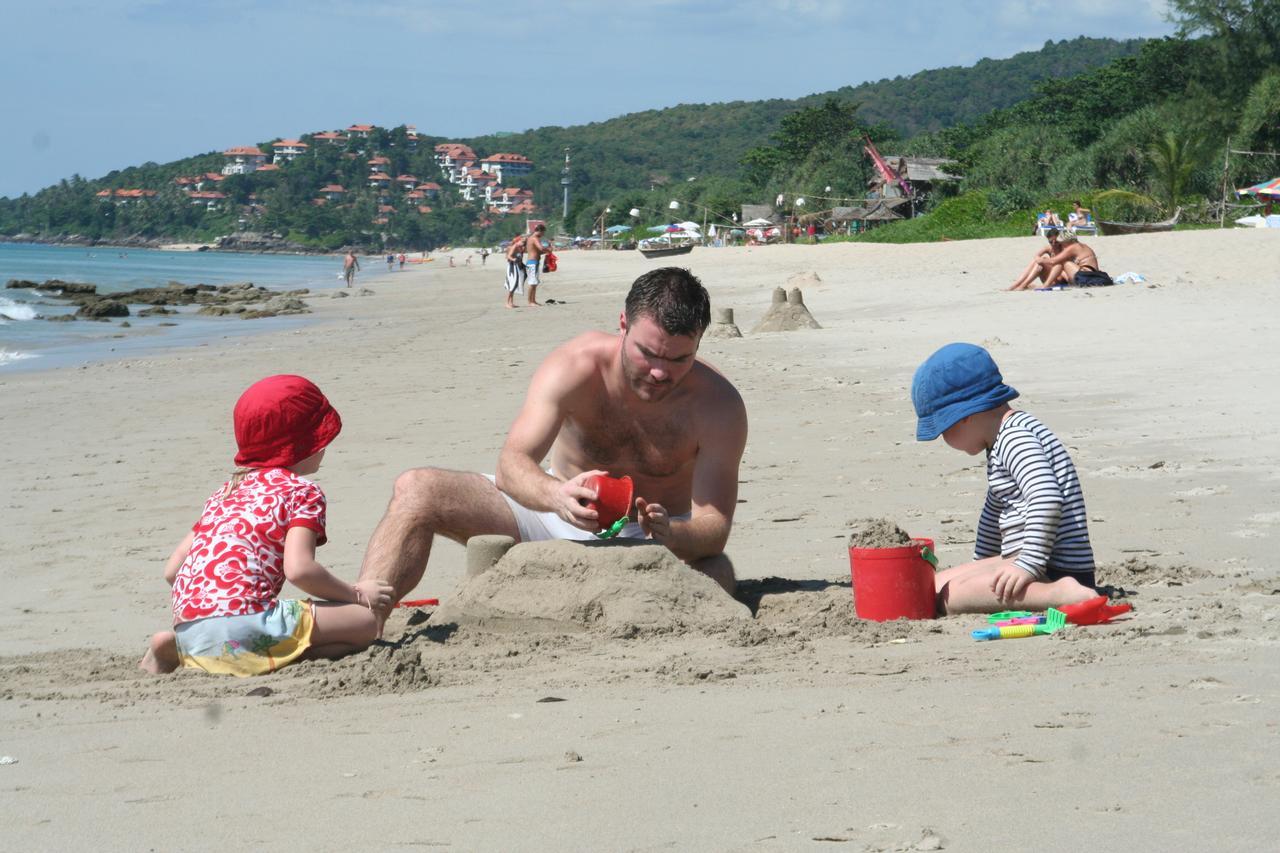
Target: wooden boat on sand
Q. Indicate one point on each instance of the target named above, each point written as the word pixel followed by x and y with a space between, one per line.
pixel 1111 228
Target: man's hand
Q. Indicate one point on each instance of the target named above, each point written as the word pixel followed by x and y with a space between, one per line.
pixel 654 520
pixel 571 499
pixel 1010 582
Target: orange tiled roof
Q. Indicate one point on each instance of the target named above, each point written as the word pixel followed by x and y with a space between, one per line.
pixel 379 176
pixel 328 135
pixel 243 151
pixel 507 158
pixel 429 185
pixel 289 143
pixel 415 194
pixel 422 208
pixel 214 176
pixel 267 167
pixel 332 188
pixel 378 161
pixel 208 195
pixel 386 208
pixel 360 128
pixel 406 178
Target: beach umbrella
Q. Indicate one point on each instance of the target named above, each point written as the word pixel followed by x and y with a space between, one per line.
pixel 673 227
pixel 657 229
pixel 618 229
pixel 758 223
pixel 690 226
pixel 711 232
pixel 1270 189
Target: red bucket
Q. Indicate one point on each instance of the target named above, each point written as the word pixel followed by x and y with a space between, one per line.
pixel 893 583
pixel 613 498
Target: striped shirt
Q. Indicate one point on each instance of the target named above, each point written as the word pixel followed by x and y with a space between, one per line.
pixel 1034 505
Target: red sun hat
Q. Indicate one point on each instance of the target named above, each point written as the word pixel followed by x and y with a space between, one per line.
pixel 282 420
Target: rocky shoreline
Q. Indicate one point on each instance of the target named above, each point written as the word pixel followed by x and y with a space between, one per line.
pixel 245 300
pixel 247 242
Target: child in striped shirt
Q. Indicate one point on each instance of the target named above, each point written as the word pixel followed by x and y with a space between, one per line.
pixel 1033 546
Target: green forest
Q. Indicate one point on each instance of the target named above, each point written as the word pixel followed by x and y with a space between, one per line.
pixel 1136 129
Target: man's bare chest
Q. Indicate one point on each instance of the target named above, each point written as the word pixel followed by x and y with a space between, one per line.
pixel 649 447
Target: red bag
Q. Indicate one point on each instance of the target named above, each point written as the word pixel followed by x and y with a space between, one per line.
pixel 549 264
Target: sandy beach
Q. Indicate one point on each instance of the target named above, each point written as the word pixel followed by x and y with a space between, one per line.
pixel 795 727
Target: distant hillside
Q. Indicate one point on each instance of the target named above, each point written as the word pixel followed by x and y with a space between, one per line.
pixel 709 139
pixel 621 155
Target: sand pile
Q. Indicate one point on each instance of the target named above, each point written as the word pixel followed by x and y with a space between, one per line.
pixel 804 279
pixel 787 313
pixel 876 533
pixel 617 588
pixel 1138 572
pixel 722 325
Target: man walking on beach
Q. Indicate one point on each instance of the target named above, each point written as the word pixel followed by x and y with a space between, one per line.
pixel 533 253
pixel 349 266
pixel 637 403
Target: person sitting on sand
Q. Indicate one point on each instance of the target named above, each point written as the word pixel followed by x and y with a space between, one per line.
pixel 1061 267
pixel 258 529
pixel 1033 548
pixel 1036 269
pixel 637 403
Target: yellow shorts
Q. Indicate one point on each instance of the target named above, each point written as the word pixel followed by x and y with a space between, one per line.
pixel 252 644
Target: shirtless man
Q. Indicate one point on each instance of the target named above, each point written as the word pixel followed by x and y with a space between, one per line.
pixel 349 266
pixel 637 403
pixel 533 253
pixel 1061 266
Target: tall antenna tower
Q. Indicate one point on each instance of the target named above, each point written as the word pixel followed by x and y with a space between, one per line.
pixel 565 181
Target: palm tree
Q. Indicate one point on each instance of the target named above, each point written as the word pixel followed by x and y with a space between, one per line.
pixel 1173 159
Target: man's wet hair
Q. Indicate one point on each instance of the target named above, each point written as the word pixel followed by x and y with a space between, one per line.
pixel 1051 233
pixel 673 298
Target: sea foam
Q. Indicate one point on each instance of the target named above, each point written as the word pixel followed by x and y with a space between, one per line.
pixel 10 356
pixel 11 310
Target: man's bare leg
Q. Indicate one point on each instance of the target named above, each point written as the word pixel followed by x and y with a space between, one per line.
pixel 1052 277
pixel 533 295
pixel 424 502
pixel 720 569
pixel 162 654
pixel 1028 275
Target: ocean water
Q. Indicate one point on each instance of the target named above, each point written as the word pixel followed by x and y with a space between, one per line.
pixel 30 343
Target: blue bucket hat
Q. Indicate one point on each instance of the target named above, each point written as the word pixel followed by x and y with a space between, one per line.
pixel 956 381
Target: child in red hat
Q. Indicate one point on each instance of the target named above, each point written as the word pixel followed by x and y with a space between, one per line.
pixel 258 530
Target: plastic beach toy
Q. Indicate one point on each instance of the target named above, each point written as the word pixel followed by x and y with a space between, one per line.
pixel 613 499
pixel 1095 611
pixel 1054 619
pixel 614 529
pixel 420 602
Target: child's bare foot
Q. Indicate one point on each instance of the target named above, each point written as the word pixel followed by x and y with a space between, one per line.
pixel 162 654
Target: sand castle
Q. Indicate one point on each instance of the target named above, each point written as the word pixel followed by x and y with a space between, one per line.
pixel 575 586
pixel 722 325
pixel 787 313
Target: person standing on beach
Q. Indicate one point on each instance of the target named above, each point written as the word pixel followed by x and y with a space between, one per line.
pixel 638 403
pixel 349 266
pixel 515 270
pixel 533 252
pixel 391 262
pixel 401 258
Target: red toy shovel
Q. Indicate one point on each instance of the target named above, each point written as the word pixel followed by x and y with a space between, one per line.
pixel 1095 611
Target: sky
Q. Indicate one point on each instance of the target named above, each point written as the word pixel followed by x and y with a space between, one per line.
pixel 88 86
